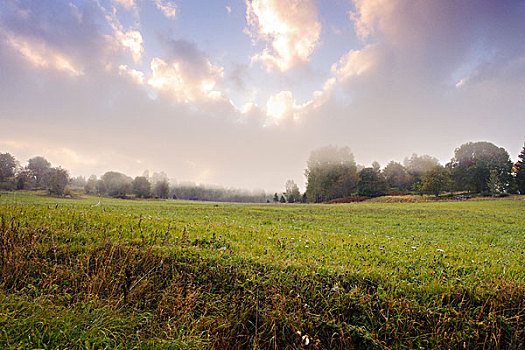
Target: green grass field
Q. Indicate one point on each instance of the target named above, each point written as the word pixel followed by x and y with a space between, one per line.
pixel 105 273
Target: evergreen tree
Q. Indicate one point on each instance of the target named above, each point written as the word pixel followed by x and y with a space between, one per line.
pixel 520 171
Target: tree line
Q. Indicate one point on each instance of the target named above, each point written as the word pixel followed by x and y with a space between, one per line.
pixel 38 174
pixel 331 173
pixel 477 167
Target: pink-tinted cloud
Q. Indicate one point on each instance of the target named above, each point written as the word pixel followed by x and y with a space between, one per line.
pixel 290 28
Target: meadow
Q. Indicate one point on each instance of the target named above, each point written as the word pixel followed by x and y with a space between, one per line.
pixel 93 273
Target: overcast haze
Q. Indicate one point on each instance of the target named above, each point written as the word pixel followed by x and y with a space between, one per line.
pixel 239 93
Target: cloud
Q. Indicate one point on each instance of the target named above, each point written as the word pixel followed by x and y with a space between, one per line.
pixel 131 40
pixel 127 4
pixel 168 8
pixel 177 78
pixel 41 55
pixel 290 27
pixel 366 15
pixel 62 36
pixel 135 75
pixel 282 107
pixel 355 63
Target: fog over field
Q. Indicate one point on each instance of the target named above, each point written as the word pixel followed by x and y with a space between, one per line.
pixel 238 93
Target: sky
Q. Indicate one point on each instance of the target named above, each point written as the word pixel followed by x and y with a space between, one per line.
pixel 239 93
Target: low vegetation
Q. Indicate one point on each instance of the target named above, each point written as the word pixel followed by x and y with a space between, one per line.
pixel 109 273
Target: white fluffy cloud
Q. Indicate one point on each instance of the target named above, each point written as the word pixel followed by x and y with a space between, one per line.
pixel 355 63
pixel 282 107
pixel 168 8
pixel 367 14
pixel 135 75
pixel 183 81
pixel 290 27
pixel 131 40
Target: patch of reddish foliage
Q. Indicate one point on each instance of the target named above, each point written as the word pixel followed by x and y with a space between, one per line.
pixel 349 199
pixel 398 193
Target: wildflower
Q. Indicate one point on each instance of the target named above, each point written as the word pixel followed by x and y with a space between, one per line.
pixel 305 340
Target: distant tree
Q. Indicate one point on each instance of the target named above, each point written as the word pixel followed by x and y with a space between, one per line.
pixel 23 179
pixel 100 187
pixel 7 166
pixel 116 184
pixel 156 177
pixel 161 189
pixel 91 185
pixel 436 180
pixel 58 179
pixel 397 176
pixel 282 200
pixel 331 173
pixel 419 165
pixel 292 192
pixel 473 162
pixel 520 171
pixel 40 169
pixel 276 197
pixel 78 182
pixel 141 187
pixel 376 166
pixel 371 183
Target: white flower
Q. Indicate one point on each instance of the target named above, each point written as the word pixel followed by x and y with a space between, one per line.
pixel 305 339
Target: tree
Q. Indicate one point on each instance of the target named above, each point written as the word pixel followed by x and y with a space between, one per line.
pixel 100 187
pixel 116 184
pixel 141 187
pixel 282 200
pixel 78 182
pixel 7 166
pixel 376 166
pixel 436 180
pixel 494 184
pixel 520 171
pixel 58 179
pixel 276 197
pixel 91 185
pixel 331 173
pixel 161 189
pixel 473 162
pixel 397 176
pixel 23 179
pixel 292 192
pixel 39 168
pixel 419 165
pixel 371 183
